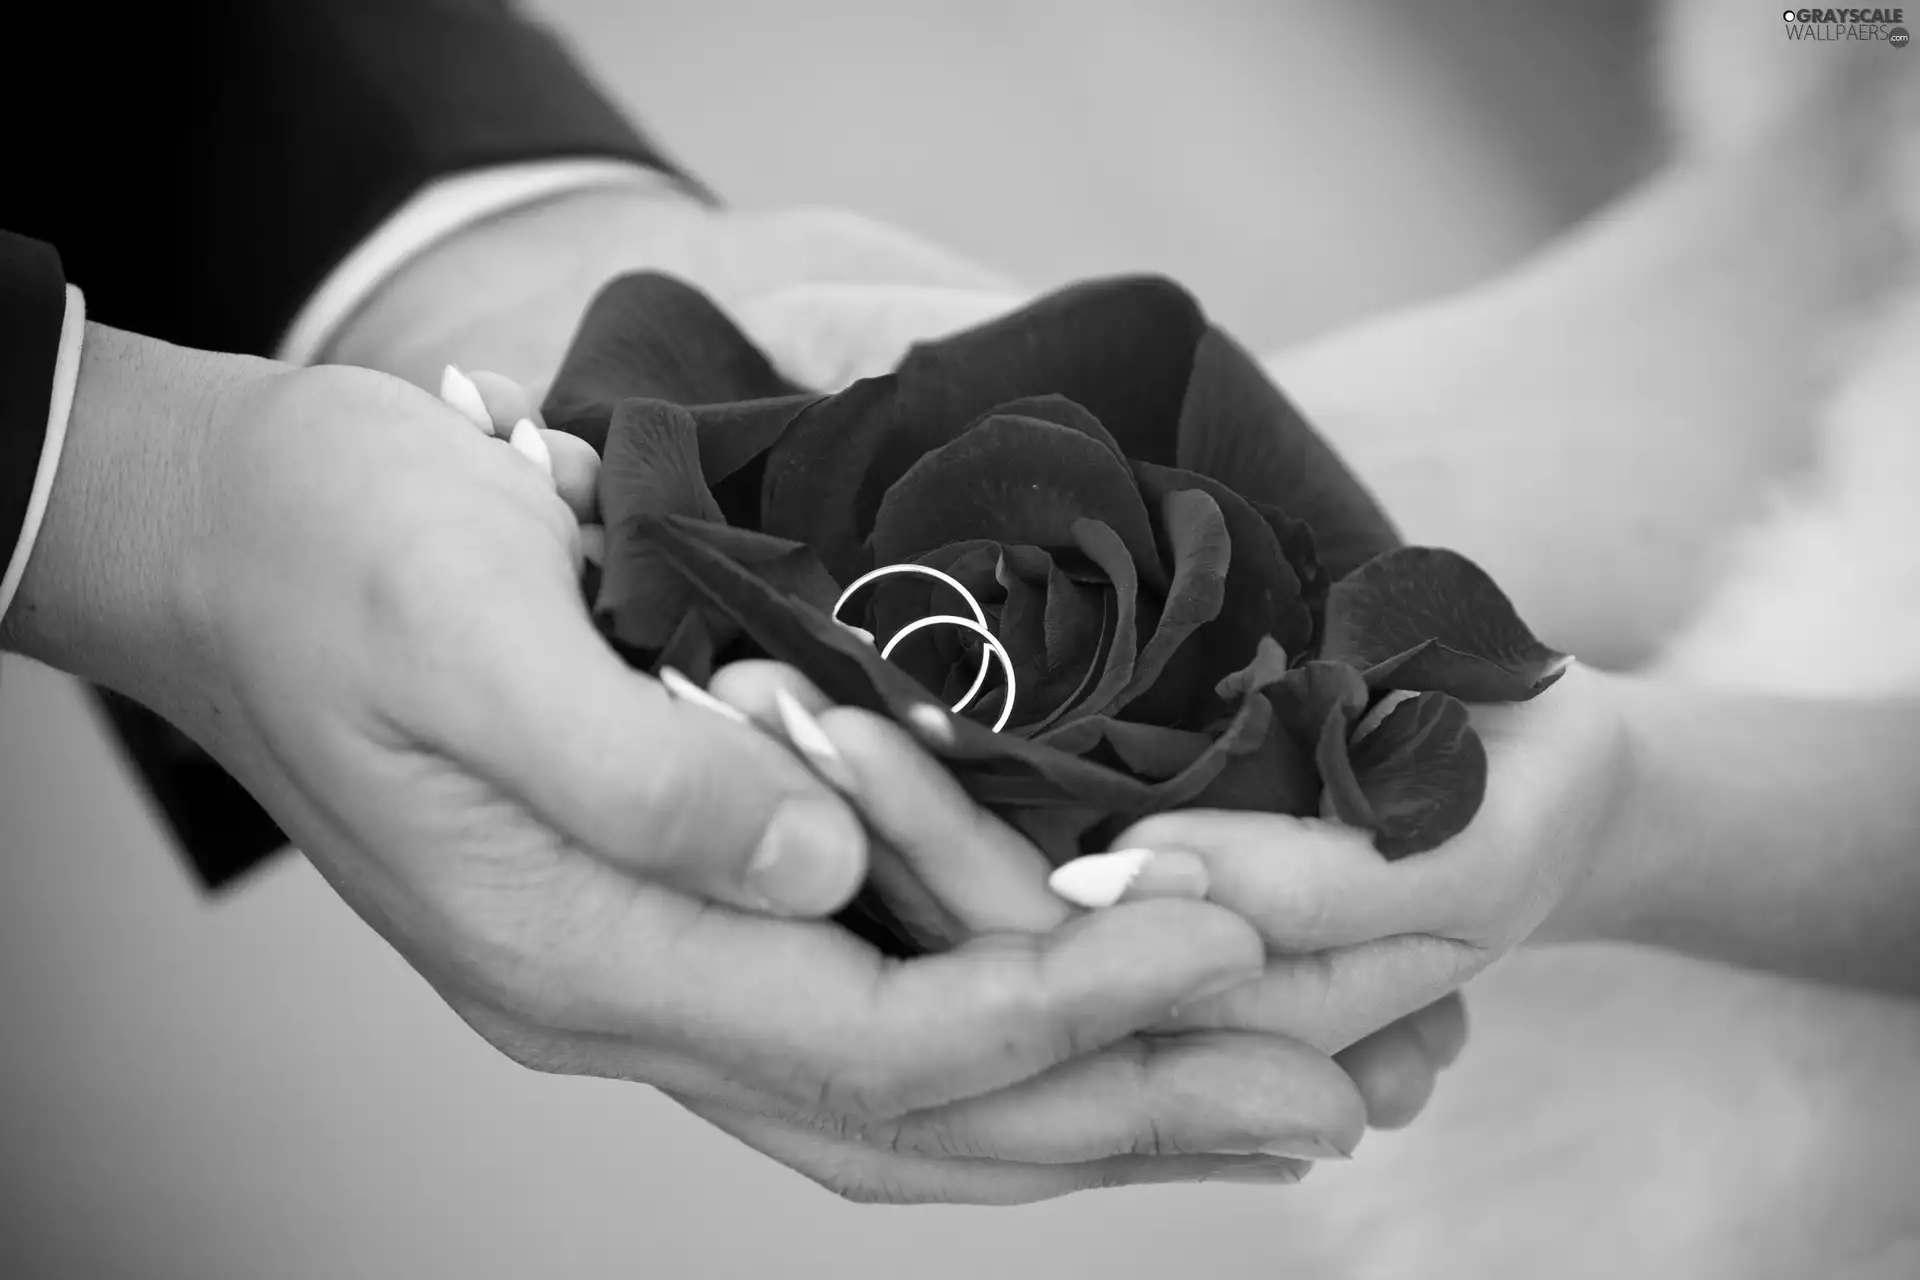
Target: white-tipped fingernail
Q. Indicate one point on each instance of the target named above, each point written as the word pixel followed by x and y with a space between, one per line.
pixel 931 722
pixel 457 389
pixel 810 739
pixel 1099 879
pixel 865 635
pixel 593 543
pixel 528 443
pixel 687 691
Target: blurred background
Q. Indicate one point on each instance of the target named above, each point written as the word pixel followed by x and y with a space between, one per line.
pixel 255 1086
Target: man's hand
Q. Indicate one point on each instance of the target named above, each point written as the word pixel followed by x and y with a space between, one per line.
pixel 369 612
pixel 831 297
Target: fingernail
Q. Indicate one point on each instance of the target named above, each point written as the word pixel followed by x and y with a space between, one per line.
pixel 687 691
pixel 1098 879
pixel 1103 879
pixel 1306 1147
pixel 457 389
pixel 811 741
pixel 1273 1171
pixel 865 635
pixel 804 863
pixel 931 722
pixel 527 441
pixel 593 544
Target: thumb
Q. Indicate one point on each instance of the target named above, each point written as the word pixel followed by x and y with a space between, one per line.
pixel 536 703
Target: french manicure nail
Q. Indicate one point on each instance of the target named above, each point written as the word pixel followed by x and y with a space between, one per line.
pixel 687 691
pixel 1254 1171
pixel 931 722
pixel 593 544
pixel 865 635
pixel 810 739
pixel 1306 1147
pixel 528 442
pixel 1103 879
pixel 1099 879
pixel 457 389
pixel 800 867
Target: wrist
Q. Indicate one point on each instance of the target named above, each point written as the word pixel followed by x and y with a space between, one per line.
pixel 503 294
pixel 103 595
pixel 1604 902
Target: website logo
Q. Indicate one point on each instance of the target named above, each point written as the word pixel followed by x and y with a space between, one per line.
pixel 1823 25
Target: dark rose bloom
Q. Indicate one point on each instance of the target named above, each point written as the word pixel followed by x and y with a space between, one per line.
pixel 1202 605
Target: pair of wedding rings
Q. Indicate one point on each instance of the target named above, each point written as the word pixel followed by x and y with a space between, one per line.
pixel 976 624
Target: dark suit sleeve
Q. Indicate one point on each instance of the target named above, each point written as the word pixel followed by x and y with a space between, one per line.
pixel 209 163
pixel 202 167
pixel 33 308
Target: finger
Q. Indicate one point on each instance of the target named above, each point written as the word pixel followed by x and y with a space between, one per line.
pixel 862 1174
pixel 976 866
pixel 808 1012
pixel 522 690
pixel 506 401
pixel 828 335
pixel 1131 875
pixel 756 689
pixel 1204 1093
pixel 1307 884
pixel 1332 999
pixel 1207 1093
pixel 1394 1071
pixel 1442 1026
pixel 576 474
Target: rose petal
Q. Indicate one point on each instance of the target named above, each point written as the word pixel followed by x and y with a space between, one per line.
pixel 1442 623
pixel 1415 781
pixel 1200 551
pixel 1121 348
pixel 1303 697
pixel 651 470
pixel 1240 429
pixel 650 335
pixel 996 768
pixel 1019 480
pixel 1269 666
pixel 784 565
pixel 1056 831
pixel 1062 412
pixel 1147 750
pixel 1263 593
pixel 1278 777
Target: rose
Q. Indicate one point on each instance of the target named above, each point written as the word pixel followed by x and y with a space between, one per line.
pixel 1201 604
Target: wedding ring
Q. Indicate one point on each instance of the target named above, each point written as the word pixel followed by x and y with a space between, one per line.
pixel 979 624
pixel 978 628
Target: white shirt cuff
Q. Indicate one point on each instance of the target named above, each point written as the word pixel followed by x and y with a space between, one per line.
pixel 436 212
pixel 66 374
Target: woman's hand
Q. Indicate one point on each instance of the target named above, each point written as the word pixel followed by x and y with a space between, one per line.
pixel 964 875
pixel 1358 941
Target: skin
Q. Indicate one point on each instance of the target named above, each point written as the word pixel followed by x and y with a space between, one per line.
pixel 368 611
pixel 1677 326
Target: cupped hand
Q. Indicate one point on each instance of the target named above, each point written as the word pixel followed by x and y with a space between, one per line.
pixel 959 873
pixel 389 648
pixel 832 296
pixel 1358 941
